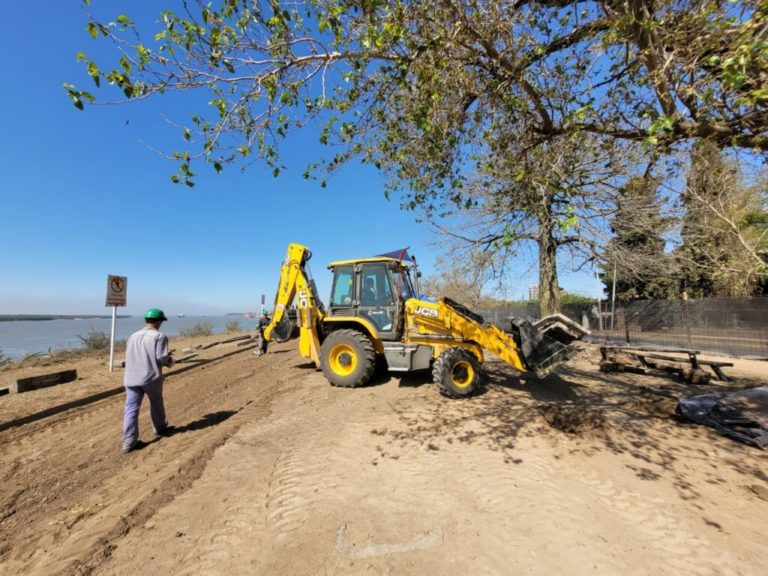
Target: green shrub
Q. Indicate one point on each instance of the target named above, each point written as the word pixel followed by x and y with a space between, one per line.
pixel 95 340
pixel 199 329
pixel 569 298
pixel 233 326
pixel 3 358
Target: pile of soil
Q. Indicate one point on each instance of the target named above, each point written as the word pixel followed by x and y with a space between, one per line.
pixel 573 419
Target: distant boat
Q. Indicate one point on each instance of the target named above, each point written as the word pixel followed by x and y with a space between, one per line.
pixel 180 315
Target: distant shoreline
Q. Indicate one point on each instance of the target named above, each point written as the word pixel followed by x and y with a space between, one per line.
pixel 27 317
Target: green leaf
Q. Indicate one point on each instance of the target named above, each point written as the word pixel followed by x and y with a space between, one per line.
pixel 270 83
pixel 125 64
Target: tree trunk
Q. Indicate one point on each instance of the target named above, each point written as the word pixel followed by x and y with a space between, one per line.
pixel 549 287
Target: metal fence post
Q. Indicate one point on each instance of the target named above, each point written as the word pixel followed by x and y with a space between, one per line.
pixel 687 320
pixel 626 326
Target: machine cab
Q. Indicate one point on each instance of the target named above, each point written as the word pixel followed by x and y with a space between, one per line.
pixel 374 289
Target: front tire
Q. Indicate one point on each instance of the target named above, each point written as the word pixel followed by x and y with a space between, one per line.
pixel 457 373
pixel 347 358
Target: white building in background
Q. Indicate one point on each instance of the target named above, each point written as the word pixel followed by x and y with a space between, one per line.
pixel 533 292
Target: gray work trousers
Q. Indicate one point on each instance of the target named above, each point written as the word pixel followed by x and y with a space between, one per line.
pixel 133 397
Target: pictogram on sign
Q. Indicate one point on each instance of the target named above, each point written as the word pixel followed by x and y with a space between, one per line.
pixel 117 290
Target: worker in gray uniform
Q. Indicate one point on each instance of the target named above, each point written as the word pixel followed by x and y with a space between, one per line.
pixel 262 325
pixel 146 353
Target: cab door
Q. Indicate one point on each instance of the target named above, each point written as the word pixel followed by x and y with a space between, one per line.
pixel 343 297
pixel 376 299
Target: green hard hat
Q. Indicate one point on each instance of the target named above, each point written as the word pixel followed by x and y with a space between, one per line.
pixel 154 314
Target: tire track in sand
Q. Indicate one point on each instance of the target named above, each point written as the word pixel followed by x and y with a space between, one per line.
pixel 300 481
pixel 270 490
pixel 658 531
pixel 221 541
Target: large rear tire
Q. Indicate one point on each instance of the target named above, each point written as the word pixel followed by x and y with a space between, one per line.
pixel 347 358
pixel 457 373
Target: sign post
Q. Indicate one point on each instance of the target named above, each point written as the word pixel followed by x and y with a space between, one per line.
pixel 117 294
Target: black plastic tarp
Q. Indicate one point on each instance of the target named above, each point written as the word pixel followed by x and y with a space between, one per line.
pixel 742 415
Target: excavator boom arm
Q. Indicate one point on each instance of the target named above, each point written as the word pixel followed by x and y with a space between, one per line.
pixel 296 284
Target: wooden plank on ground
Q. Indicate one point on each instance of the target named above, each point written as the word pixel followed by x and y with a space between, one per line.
pixel 228 340
pixel 235 339
pixel 36 382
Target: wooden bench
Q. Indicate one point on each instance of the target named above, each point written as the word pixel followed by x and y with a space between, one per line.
pixel 691 357
pixel 716 368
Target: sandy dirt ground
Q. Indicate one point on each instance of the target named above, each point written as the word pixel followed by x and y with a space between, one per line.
pixel 273 471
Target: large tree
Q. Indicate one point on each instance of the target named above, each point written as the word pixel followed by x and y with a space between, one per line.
pixel 724 233
pixel 555 197
pixel 636 256
pixel 430 90
pixel 411 85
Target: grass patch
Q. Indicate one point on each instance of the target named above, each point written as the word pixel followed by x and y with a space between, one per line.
pixel 95 340
pixel 199 329
pixel 233 326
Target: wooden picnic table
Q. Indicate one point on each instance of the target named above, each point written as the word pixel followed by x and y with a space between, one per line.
pixel 646 356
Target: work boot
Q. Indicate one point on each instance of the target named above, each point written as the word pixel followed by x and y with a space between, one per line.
pixel 167 431
pixel 135 446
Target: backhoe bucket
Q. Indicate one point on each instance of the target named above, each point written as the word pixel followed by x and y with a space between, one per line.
pixel 540 352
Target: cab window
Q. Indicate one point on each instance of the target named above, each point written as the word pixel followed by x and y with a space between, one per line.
pixel 343 284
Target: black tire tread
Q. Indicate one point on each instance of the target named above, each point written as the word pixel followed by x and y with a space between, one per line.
pixel 367 360
pixel 444 364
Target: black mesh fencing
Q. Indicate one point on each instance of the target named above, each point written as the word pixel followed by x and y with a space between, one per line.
pixel 729 326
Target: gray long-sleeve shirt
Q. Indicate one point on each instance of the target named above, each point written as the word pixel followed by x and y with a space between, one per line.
pixel 145 353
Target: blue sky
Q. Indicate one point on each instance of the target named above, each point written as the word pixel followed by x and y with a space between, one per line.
pixel 83 196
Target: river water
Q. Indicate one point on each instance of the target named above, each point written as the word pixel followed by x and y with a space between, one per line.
pixel 20 338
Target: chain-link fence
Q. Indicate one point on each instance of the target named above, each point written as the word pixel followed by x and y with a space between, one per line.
pixel 730 326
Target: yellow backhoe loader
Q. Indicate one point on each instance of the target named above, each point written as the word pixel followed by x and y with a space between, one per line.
pixel 375 316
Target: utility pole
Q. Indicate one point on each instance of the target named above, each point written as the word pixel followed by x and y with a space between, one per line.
pixel 599 312
pixel 613 295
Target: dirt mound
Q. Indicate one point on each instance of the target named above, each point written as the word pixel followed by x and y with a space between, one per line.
pixel 660 404
pixel 574 419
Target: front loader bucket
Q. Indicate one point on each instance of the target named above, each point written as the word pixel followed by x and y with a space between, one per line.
pixel 540 352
